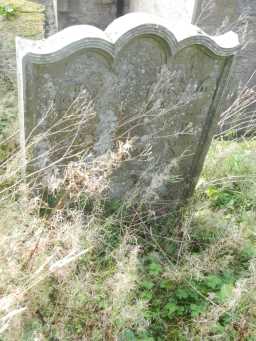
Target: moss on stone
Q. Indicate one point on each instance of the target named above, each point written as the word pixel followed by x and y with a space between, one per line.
pixel 27 22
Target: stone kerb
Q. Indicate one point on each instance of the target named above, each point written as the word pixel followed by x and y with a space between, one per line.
pixel 142 96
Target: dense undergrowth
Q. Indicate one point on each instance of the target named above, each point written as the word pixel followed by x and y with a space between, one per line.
pixel 77 269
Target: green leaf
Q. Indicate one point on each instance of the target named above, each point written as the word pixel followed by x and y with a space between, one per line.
pixel 212 192
pixel 171 308
pixel 196 309
pixel 213 282
pixel 181 310
pixel 225 292
pixel 7 10
pixel 248 252
pixel 165 284
pixel 155 268
pixel 148 285
pixel 182 293
pixel 147 295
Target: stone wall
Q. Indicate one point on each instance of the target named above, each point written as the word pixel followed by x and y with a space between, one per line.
pixel 28 22
pixel 50 23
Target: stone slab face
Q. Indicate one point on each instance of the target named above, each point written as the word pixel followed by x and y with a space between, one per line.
pixel 172 10
pixel 141 86
pixel 99 13
pixel 219 16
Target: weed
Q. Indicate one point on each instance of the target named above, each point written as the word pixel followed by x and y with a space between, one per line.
pixel 8 11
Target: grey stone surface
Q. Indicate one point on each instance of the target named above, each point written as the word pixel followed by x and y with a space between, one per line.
pixel 219 16
pixel 172 10
pixel 142 90
pixel 28 23
pixel 50 23
pixel 99 13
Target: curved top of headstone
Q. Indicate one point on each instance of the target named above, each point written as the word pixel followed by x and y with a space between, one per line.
pixel 119 32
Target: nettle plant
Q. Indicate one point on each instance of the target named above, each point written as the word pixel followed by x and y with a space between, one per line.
pixel 7 11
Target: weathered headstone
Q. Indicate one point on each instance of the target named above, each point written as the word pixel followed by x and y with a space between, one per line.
pixel 99 13
pixel 172 10
pixel 142 90
pixel 219 16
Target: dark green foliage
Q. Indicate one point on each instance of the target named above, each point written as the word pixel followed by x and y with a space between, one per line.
pixel 229 198
pixel 171 302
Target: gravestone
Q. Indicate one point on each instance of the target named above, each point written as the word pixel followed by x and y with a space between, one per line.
pixel 143 91
pixel 219 16
pixel 98 13
pixel 172 10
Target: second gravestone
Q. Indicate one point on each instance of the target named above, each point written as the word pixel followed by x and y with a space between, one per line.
pixel 219 16
pixel 138 102
pixel 98 13
pixel 172 10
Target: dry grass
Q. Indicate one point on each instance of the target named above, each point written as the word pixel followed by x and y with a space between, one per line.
pixel 73 270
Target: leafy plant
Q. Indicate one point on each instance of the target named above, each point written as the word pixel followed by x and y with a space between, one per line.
pixel 228 198
pixel 8 11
